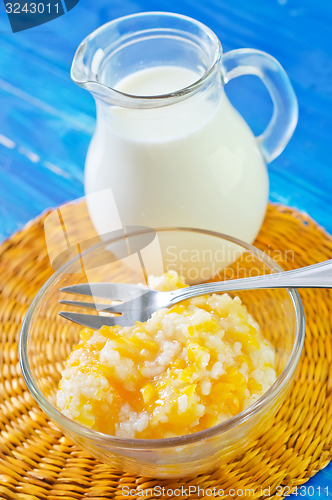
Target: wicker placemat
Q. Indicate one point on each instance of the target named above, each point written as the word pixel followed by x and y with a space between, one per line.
pixel 37 461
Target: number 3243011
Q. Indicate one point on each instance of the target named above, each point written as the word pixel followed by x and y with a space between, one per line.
pixel 303 491
pixel 32 8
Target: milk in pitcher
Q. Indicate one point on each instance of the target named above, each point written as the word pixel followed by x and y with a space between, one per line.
pixel 194 163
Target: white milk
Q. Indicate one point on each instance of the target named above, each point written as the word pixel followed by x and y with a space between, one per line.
pixel 195 163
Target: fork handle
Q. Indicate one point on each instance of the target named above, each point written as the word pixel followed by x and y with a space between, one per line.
pixel 315 276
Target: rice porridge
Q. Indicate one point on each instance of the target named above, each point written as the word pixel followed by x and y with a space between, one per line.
pixel 189 367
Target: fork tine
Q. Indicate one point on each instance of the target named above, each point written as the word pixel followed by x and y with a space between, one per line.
pixel 118 308
pixel 122 291
pixel 96 322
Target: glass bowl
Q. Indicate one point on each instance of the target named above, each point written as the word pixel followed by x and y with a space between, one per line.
pixel 201 256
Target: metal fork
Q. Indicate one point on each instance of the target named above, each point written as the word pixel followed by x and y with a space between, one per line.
pixel 138 303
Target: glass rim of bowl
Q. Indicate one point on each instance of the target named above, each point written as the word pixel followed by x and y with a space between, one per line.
pixel 185 439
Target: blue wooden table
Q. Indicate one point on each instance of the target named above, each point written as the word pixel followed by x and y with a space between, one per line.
pixel 46 121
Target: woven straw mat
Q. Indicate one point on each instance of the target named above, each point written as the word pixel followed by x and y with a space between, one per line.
pixel 37 461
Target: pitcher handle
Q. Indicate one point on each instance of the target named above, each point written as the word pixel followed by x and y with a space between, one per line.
pixel 285 108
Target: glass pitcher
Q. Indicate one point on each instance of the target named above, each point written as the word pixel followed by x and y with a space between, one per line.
pixel 169 149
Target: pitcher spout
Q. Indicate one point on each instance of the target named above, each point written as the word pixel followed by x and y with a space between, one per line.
pixel 93 69
pixel 80 72
pixel 85 71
